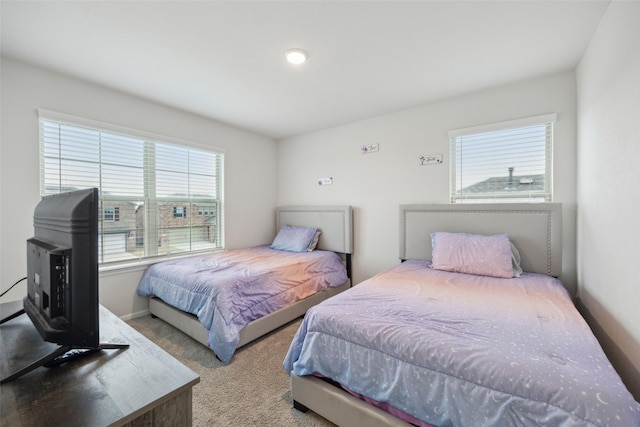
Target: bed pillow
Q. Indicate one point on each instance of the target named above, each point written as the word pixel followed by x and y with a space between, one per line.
pixel 472 254
pixel 515 261
pixel 293 239
pixel 314 241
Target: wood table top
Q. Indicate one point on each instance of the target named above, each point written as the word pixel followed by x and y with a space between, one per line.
pixel 109 387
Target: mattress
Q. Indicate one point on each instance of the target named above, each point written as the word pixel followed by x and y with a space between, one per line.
pixel 453 349
pixel 227 290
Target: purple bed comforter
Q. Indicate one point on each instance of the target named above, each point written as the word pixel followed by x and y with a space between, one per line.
pixel 453 349
pixel 227 290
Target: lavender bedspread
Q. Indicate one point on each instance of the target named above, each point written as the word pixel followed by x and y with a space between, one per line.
pixel 229 289
pixel 452 349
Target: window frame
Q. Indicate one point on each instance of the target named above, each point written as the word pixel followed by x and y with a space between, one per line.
pixel 547 120
pixel 152 226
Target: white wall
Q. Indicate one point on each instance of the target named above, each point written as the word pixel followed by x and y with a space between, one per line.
pixel 375 184
pixel 250 167
pixel 608 82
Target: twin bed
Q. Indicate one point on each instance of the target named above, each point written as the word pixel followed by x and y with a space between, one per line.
pixel 230 298
pixel 471 328
pixel 427 343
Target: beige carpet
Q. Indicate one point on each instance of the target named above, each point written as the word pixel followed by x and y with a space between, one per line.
pixel 253 390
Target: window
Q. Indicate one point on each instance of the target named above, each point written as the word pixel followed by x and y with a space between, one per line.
pixel 179 212
pixel 150 187
pixel 111 214
pixel 503 162
pixel 206 210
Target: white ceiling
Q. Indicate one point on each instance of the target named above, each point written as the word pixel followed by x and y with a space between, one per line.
pixel 224 59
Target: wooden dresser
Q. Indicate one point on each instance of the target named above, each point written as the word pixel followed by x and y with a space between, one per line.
pixel 141 385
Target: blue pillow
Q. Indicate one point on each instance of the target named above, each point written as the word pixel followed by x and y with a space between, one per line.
pixel 293 239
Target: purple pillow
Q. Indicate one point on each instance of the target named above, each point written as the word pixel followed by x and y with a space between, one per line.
pixel 472 254
pixel 293 239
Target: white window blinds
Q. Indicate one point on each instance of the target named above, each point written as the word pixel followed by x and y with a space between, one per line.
pixel 158 197
pixel 507 161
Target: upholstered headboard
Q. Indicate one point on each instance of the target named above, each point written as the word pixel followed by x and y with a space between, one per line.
pixel 534 228
pixel 335 222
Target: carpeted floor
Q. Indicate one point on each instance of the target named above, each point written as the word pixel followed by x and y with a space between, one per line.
pixel 253 390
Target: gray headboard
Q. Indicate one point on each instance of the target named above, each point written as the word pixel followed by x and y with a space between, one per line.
pixel 335 222
pixel 534 228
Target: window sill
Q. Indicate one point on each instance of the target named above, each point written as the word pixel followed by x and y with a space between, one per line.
pixel 127 267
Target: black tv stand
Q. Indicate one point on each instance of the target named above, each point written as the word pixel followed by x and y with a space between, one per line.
pixel 63 354
pixel 69 356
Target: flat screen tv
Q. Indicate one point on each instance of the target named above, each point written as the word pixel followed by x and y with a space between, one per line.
pixel 62 269
pixel 62 277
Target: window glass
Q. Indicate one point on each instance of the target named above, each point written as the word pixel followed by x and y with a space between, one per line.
pixel 157 197
pixel 510 161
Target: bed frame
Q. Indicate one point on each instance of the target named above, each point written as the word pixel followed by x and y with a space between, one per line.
pixel 534 228
pixel 336 224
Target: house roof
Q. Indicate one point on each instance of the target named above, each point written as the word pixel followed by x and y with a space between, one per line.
pixel 506 184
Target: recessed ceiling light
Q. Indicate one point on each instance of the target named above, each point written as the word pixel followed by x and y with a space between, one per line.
pixel 296 56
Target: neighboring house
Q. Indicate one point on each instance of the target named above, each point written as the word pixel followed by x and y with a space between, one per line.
pixel 177 219
pixel 118 227
pixel 183 225
pixel 525 184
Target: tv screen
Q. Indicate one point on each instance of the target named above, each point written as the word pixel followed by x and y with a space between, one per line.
pixel 62 269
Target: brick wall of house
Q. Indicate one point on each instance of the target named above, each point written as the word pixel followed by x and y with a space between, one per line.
pixel 121 220
pixel 168 219
pixel 176 228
